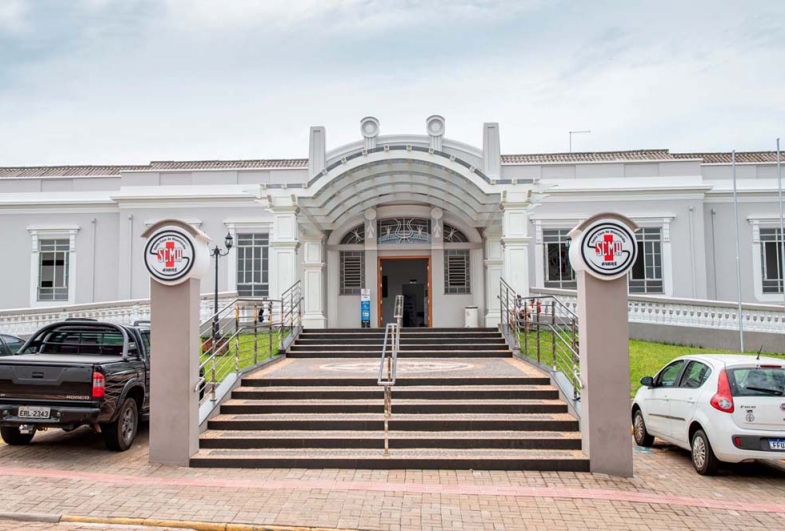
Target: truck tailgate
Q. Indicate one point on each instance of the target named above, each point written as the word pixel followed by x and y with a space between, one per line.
pixel 36 378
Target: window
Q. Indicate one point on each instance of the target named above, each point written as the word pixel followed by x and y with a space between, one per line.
pixel 771 260
pixel 352 272
pixel 404 230
pixel 456 271
pixel 695 375
pixel 252 265
pixel 668 375
pixel 453 235
pixel 768 381
pixel 646 273
pixel 53 273
pixel 355 236
pixel 558 271
pixel 13 343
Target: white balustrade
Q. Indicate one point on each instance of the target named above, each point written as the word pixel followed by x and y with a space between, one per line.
pixel 694 313
pixel 25 321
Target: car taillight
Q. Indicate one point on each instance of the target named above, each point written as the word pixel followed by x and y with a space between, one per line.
pixel 723 399
pixel 99 385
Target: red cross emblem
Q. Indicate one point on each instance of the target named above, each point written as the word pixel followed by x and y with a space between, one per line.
pixel 608 247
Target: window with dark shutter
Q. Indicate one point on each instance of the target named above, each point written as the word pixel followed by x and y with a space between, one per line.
pixel 252 265
pixel 352 272
pixel 771 260
pixel 456 271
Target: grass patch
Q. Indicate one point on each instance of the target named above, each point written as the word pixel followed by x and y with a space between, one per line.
pixel 250 348
pixel 646 358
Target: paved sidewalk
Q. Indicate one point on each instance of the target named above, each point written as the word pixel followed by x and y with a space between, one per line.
pixel 73 474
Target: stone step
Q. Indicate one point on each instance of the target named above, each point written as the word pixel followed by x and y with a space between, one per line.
pixel 398 421
pixel 490 340
pixel 551 440
pixel 405 330
pixel 318 382
pixel 400 405
pixel 344 353
pixel 415 458
pixel 404 347
pixel 466 392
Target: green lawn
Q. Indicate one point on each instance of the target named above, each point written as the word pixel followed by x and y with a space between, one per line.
pixel 251 349
pixel 646 358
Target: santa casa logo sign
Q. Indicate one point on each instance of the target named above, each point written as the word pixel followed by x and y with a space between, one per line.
pixel 604 246
pixel 169 255
pixel 175 251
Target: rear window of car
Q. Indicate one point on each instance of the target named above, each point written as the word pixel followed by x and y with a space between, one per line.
pixel 754 381
pixel 80 342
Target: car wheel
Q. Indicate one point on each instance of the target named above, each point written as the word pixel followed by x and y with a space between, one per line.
pixel 703 458
pixel 13 437
pixel 642 437
pixel 120 434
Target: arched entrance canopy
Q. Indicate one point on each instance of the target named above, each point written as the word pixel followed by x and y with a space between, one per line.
pixel 400 174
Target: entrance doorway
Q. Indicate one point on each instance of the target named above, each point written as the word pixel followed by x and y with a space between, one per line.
pixel 410 277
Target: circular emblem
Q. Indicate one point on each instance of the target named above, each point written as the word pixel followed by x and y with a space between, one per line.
pixel 169 255
pixel 750 416
pixel 608 248
pixel 782 407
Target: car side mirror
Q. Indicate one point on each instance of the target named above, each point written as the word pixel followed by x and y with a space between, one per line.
pixel 647 381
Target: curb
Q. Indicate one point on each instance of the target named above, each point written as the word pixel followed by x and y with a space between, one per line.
pixel 154 522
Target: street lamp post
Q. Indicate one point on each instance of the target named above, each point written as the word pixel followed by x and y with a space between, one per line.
pixel 217 253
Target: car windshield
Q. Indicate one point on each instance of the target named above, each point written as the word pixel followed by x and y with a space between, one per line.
pixel 81 341
pixel 764 381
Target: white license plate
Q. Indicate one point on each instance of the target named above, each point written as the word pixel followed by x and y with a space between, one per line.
pixel 777 444
pixel 33 412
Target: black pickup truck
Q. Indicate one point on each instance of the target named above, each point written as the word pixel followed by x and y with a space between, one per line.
pixel 74 373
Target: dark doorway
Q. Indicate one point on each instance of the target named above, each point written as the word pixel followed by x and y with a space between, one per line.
pixel 408 277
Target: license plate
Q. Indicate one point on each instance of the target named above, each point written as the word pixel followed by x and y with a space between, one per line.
pixel 32 412
pixel 777 444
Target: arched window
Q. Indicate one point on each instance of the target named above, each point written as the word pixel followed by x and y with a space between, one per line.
pixel 404 230
pixel 453 235
pixel 355 236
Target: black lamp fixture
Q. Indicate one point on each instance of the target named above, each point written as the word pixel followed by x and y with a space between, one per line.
pixel 217 253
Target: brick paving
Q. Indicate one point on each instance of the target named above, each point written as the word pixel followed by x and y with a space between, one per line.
pixel 73 474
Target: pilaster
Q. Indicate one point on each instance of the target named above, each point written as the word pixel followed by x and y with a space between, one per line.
pixel 494 264
pixel 313 282
pixel 283 245
pixel 515 240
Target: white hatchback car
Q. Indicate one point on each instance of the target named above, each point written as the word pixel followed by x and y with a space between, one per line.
pixel 723 408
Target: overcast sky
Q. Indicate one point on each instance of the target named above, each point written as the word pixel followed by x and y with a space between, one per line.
pixel 129 81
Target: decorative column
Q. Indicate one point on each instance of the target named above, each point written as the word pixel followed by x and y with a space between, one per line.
pixel 494 264
pixel 283 245
pixel 437 262
pixel 516 239
pixel 371 265
pixel 313 281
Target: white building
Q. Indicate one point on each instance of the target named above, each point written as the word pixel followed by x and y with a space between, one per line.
pixel 435 219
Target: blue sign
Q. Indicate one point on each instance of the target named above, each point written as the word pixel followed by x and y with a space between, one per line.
pixel 365 308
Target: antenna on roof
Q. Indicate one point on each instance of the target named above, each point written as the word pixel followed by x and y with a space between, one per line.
pixel 759 351
pixel 576 133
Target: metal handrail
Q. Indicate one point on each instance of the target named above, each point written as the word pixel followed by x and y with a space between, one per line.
pixel 234 337
pixel 554 326
pixel 392 337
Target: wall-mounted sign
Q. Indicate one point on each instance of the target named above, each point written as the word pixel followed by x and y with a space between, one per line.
pixel 175 252
pixel 365 308
pixel 604 246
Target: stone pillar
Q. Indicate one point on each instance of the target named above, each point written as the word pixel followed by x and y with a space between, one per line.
pixel 602 251
pixel 372 265
pixel 313 282
pixel 333 287
pixel 494 263
pixel 283 246
pixel 516 242
pixel 317 150
pixel 174 372
pixel 437 264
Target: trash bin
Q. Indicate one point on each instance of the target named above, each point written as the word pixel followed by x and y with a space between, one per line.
pixel 471 316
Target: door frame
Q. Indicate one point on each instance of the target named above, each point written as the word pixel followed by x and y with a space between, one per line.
pixel 429 290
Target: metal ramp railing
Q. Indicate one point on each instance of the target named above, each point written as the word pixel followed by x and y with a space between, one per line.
pixel 543 330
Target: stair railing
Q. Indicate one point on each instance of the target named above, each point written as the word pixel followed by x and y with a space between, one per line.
pixel 243 334
pixel 391 346
pixel 544 330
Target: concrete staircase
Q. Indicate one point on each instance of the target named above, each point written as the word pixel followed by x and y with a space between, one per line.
pixel 476 419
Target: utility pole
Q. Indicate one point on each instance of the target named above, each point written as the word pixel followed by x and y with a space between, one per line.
pixel 576 133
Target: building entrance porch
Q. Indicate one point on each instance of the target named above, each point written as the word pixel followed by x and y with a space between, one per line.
pixel 410 277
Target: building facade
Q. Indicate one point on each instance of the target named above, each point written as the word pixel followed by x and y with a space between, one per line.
pixel 436 220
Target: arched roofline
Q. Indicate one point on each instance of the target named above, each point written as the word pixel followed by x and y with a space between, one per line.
pixel 420 140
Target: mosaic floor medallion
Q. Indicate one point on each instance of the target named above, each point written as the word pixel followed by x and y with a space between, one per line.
pixel 404 367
